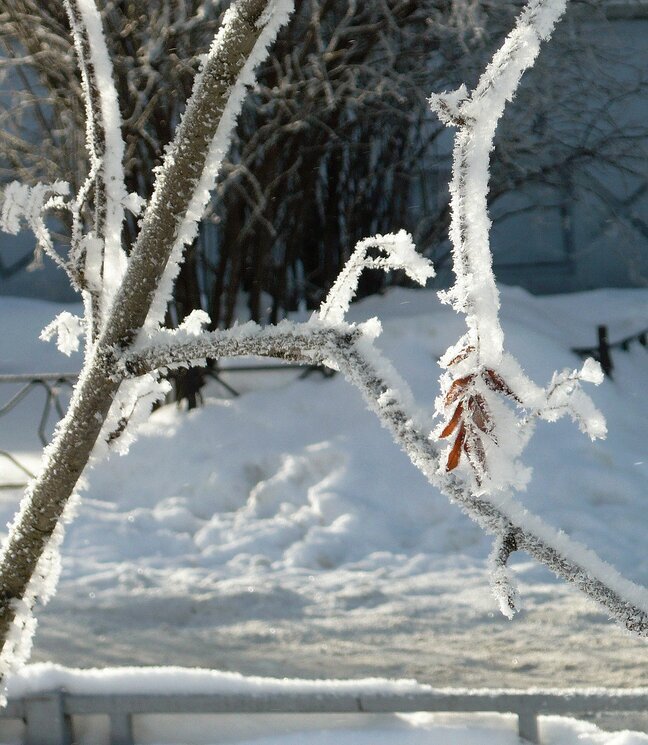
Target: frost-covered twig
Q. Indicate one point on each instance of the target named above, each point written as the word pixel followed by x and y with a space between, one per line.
pixel 274 17
pixel 476 115
pixel 304 342
pixel 30 203
pixel 105 258
pixel 502 582
pixel 397 252
pixel 485 434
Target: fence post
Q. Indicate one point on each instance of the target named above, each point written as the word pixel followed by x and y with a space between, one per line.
pixel 604 356
pixel 528 725
pixel 121 729
pixel 47 723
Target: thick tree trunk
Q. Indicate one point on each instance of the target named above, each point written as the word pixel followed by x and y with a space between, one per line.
pixel 76 437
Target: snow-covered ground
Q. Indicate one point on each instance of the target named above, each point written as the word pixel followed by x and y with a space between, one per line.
pixel 282 533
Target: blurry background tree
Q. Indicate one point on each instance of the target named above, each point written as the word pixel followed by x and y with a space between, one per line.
pixel 337 142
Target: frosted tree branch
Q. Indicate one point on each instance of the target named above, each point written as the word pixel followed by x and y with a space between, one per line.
pixel 352 351
pixel 476 115
pixel 306 342
pixel 276 15
pixel 502 581
pixel 397 252
pixel 105 258
pixel 97 403
pixel 483 386
pixel 479 370
pixel 31 203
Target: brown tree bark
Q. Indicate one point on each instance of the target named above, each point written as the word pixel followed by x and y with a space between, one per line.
pixel 76 437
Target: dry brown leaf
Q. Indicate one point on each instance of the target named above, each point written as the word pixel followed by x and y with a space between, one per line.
pixel 451 425
pixel 462 355
pixel 496 383
pixel 455 453
pixel 457 388
pixel 480 414
pixel 474 449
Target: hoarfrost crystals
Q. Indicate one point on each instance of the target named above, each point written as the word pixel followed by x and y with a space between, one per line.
pixel 67 329
pixel 477 114
pixel 565 396
pixel 273 19
pixel 130 409
pixel 486 435
pixel 93 249
pixel 194 323
pixel 397 252
pixel 107 156
pixel 29 203
pixel 134 203
pixel 501 577
pixel 592 372
pixel 41 588
pixel 448 105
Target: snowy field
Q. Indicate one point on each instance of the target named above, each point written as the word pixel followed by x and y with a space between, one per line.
pixel 281 533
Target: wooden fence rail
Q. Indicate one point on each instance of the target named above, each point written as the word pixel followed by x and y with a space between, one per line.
pixel 48 716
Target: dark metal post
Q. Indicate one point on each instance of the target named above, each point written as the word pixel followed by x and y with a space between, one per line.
pixel 604 356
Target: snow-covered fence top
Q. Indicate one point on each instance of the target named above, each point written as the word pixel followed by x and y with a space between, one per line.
pixel 47 696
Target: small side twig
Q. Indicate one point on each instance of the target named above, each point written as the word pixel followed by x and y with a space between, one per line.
pixel 501 578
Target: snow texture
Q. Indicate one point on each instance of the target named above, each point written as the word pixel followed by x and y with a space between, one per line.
pixel 268 491
pixel 177 680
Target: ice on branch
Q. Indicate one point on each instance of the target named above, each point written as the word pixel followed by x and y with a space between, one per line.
pixel 476 114
pixel 271 20
pixel 67 329
pixel 29 203
pixel 134 203
pixel 487 402
pixel 104 138
pixel 91 249
pixel 396 251
pixel 448 106
pixel 564 395
pixel 501 578
pixel 195 322
pixel 130 409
